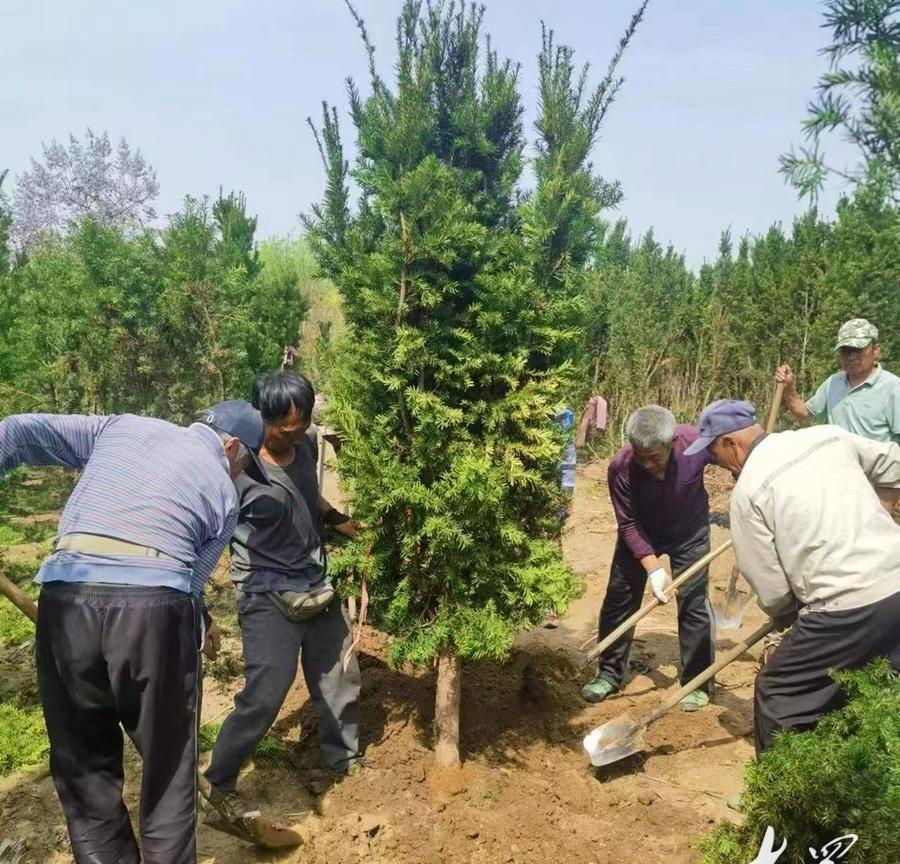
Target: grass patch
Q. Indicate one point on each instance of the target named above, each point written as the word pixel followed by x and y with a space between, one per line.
pixel 208 734
pixel 23 738
pixel 15 628
pixel 843 777
pixel 270 748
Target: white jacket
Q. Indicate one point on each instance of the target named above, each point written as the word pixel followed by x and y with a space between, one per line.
pixel 807 523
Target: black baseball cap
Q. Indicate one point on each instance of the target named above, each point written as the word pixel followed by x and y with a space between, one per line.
pixel 239 419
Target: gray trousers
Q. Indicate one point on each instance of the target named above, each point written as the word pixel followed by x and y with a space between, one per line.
pixel 272 644
pixel 625 592
pixel 794 689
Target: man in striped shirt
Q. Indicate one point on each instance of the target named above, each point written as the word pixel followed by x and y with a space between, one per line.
pixel 120 613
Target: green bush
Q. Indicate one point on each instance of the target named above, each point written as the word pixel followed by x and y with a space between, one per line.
pixel 23 739
pixel 843 777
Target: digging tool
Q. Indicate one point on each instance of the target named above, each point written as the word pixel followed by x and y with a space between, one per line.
pixel 625 626
pixel 252 827
pixel 730 616
pixel 264 833
pixel 623 737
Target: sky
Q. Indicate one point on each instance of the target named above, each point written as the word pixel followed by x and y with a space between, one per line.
pixel 217 92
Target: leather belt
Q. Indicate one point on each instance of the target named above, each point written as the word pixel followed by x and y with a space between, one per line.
pixel 96 544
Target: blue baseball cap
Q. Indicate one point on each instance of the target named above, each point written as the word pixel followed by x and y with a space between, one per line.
pixel 720 418
pixel 239 419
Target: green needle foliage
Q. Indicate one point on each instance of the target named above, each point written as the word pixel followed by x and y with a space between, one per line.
pixel 843 777
pixel 858 97
pixel 461 304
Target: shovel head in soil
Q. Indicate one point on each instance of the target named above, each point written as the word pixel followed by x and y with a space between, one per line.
pixel 615 740
pixel 252 827
pixel 256 829
pixel 730 616
pixel 622 737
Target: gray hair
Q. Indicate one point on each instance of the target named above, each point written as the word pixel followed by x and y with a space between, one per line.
pixel 243 456
pixel 651 426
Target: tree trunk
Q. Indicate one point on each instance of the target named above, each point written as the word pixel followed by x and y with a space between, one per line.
pixel 446 710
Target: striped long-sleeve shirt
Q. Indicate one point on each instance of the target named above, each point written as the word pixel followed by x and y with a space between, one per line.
pixel 145 481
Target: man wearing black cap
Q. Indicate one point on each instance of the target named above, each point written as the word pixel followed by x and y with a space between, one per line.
pixel 809 531
pixel 119 618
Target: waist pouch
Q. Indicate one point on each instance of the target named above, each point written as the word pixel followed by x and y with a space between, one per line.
pixel 302 605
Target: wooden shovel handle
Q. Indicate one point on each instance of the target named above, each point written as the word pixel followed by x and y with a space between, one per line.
pixel 776 406
pixel 625 626
pixel 723 661
pixel 18 598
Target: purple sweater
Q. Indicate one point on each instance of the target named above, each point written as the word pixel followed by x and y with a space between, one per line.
pixel 657 514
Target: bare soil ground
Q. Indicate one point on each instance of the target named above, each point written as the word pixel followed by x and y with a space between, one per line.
pixel 525 793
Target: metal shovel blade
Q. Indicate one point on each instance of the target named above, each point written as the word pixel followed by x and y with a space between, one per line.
pixel 731 619
pixel 731 615
pixel 615 740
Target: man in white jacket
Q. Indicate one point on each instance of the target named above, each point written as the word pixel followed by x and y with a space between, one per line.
pixel 809 530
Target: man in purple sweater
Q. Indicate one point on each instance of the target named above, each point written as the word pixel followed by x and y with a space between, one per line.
pixel 661 508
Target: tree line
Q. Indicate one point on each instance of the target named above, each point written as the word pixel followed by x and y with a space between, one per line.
pixel 658 332
pixel 104 316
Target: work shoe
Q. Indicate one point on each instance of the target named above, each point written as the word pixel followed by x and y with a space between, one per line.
pixel 597 690
pixel 695 701
pixel 227 808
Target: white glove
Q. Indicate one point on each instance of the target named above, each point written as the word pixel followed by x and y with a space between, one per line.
pixel 659 579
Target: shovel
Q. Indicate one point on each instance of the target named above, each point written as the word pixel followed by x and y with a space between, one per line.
pixel 626 625
pixel 730 616
pixel 622 737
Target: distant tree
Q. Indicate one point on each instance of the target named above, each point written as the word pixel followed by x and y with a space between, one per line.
pixel 236 246
pixel 107 320
pixel 83 179
pixel 6 291
pixel 859 96
pixel 5 223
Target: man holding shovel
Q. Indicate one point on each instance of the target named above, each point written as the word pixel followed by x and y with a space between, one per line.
pixel 119 624
pixel 809 531
pixel 287 605
pixel 661 508
pixel 863 398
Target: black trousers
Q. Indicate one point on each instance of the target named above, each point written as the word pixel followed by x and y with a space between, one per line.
pixel 272 644
pixel 110 658
pixel 794 690
pixel 625 592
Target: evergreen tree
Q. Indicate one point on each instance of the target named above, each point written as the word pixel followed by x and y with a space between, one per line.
pixel 236 246
pixel 456 303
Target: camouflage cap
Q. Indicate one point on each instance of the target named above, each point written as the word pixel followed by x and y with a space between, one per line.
pixel 856 333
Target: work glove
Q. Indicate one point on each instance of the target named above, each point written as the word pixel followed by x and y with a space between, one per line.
pixel 658 580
